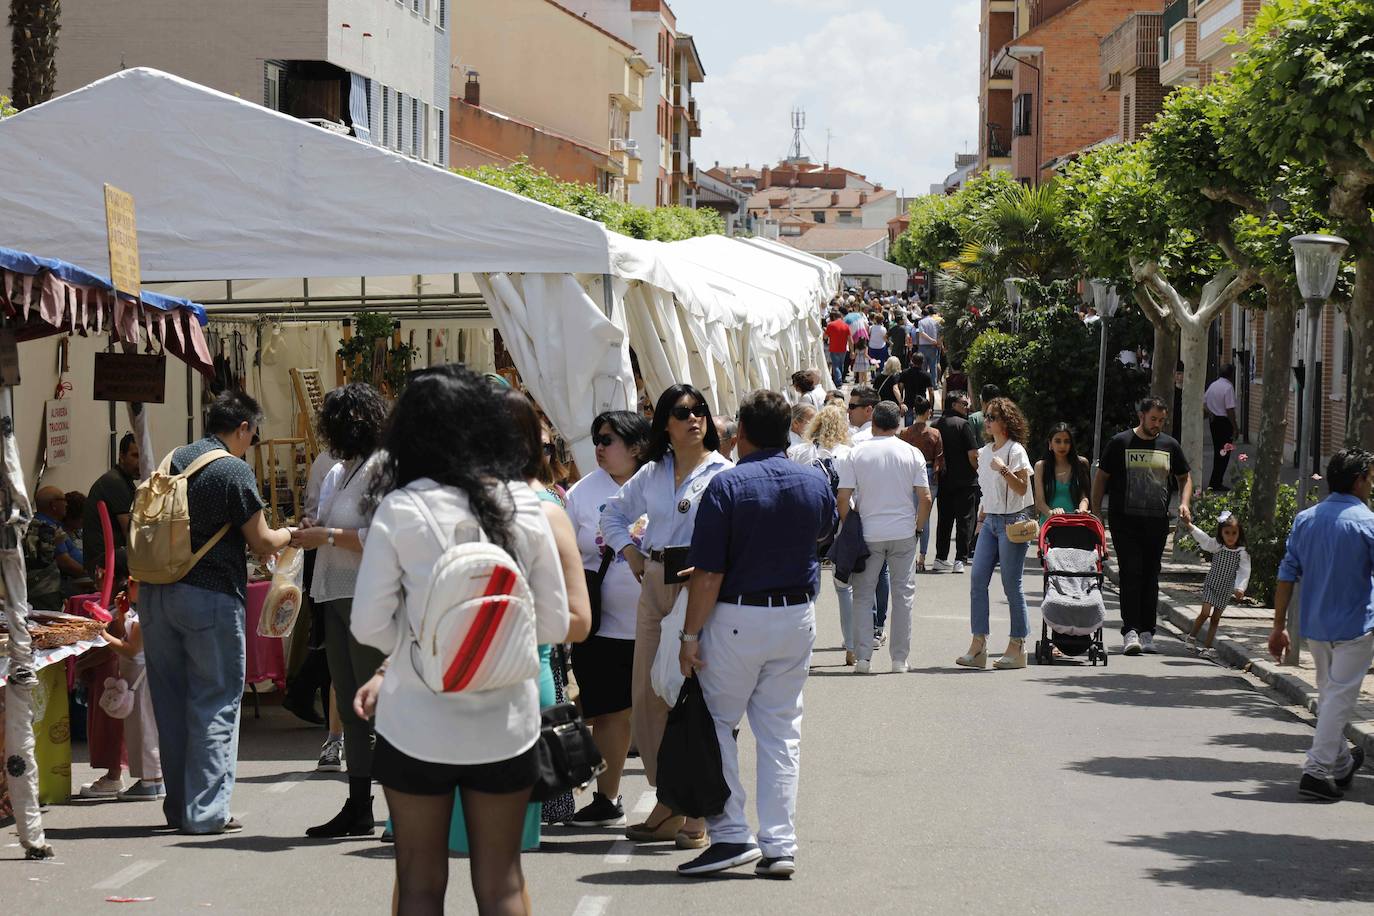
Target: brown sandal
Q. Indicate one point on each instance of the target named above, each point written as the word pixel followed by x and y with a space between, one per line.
pixel 661 832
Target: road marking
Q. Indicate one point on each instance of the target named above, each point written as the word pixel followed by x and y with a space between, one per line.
pixel 620 853
pixel 288 784
pixel 592 906
pixel 128 873
pixel 645 804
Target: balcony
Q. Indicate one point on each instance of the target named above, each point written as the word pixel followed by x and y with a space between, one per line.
pixel 693 119
pixel 636 172
pixel 1178 64
pixel 1216 19
pixel 1132 46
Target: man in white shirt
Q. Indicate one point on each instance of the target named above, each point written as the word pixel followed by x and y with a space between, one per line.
pixel 881 475
pixel 928 336
pixel 1219 403
pixel 862 400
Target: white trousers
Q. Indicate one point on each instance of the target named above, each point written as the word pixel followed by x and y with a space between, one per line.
pixel 140 729
pixel 900 557
pixel 1341 668
pixel 757 660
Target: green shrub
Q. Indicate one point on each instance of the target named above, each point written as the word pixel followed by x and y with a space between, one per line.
pixel 1265 539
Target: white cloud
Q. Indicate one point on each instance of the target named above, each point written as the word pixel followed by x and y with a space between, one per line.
pixel 899 105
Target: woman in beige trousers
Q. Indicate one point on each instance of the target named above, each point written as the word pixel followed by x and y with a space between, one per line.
pixel 683 458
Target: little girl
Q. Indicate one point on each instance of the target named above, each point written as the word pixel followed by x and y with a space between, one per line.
pixel 1227 579
pixel 140 731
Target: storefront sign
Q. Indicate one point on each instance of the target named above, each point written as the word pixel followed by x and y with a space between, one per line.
pixel 130 377
pixel 9 359
pixel 58 415
pixel 123 236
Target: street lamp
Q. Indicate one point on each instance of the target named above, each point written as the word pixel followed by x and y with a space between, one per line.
pixel 1013 288
pixel 1318 261
pixel 1105 299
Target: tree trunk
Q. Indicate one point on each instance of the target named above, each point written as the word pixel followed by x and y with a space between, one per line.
pixel 1193 347
pixel 33 35
pixel 1164 360
pixel 1360 319
pixel 1279 318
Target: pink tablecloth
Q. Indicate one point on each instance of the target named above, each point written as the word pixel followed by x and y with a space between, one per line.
pixel 266 660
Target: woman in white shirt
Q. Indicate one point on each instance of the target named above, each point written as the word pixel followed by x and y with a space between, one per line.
pixel 604 664
pixel 1004 472
pixel 451 447
pixel 683 455
pixel 350 422
pixel 807 389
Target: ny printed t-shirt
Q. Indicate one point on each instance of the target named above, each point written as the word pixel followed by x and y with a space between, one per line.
pixel 1143 475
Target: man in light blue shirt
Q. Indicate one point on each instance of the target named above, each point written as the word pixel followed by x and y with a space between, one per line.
pixel 1331 550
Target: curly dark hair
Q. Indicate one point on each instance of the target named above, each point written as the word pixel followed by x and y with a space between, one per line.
pixel 451 426
pixel 351 420
pixel 1009 415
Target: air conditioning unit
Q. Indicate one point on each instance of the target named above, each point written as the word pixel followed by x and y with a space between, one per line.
pixel 632 147
pixel 618 144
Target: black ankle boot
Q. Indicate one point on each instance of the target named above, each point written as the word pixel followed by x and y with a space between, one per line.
pixel 354 820
pixel 302 706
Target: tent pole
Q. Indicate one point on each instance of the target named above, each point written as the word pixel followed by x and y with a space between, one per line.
pixel 21 766
pixel 607 295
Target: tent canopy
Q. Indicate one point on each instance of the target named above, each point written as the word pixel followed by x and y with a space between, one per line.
pixel 857 264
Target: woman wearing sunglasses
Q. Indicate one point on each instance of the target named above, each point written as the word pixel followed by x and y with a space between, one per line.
pixel 682 457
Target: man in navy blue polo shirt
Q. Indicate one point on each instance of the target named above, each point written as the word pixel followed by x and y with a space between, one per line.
pixel 751 624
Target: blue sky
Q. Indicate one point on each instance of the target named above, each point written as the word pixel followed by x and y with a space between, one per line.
pixel 895 81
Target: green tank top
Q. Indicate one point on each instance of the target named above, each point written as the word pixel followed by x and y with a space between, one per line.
pixel 1062 499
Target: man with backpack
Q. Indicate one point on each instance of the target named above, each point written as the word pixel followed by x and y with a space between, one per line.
pixel 192 606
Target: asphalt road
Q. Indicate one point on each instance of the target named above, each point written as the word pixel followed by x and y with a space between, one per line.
pixel 1158 784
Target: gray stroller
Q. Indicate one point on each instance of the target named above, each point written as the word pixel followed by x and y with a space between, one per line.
pixel 1072 548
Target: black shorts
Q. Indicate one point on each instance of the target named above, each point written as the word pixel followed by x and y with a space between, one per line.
pixel 604 668
pixel 399 771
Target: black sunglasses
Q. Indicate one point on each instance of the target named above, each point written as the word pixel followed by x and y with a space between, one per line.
pixel 550 449
pixel 603 441
pixel 682 413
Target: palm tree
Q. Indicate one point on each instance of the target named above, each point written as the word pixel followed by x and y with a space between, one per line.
pixel 33 34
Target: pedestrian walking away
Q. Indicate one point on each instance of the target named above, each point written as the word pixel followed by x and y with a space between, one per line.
pixel 1219 404
pixel 1004 475
pixel 750 629
pixel 683 455
pixel 928 333
pixel 958 496
pixel 1226 580
pixel 1331 551
pixel 1138 473
pixel 886 478
pixel 837 337
pixel 923 436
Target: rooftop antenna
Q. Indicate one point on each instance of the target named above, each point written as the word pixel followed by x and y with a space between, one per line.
pixel 798 125
pixel 828 132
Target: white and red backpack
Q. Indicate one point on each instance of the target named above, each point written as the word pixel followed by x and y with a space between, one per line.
pixel 477 631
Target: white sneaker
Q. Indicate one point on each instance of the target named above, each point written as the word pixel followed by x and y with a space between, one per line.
pixel 943 565
pixel 862 667
pixel 959 566
pixel 900 668
pixel 1208 653
pixel 1147 644
pixel 1130 643
pixel 879 638
pixel 1190 643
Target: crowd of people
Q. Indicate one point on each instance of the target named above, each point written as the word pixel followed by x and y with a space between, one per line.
pixel 729 517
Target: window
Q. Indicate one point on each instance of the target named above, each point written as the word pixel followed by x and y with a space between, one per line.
pixel 417 127
pixel 818 216
pixel 1021 115
pixel 400 139
pixel 386 116
pixel 442 158
pixel 272 80
pixel 442 21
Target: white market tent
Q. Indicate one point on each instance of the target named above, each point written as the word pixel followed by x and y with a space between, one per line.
pixel 858 266
pixel 250 211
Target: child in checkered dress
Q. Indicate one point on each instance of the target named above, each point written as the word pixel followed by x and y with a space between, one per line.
pixel 1226 580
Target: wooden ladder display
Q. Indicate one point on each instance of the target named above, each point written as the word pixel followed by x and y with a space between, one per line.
pixel 308 385
pixel 281 479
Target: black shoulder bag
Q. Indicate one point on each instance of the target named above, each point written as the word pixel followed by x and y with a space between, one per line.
pixel 594 581
pixel 568 757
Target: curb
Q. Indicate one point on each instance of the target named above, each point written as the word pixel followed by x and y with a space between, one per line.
pixel 1290 686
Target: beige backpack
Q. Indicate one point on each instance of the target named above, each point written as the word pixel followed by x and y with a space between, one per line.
pixel 160 524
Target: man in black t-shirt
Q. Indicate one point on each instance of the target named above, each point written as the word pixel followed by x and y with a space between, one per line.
pixel 115 489
pixel 915 382
pixel 1138 473
pixel 957 498
pixel 193 629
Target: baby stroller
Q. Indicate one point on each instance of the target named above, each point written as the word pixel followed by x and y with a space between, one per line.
pixel 1072 548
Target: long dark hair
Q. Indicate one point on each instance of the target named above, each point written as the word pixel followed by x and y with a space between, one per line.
pixel 658 430
pixel 1079 484
pixel 451 426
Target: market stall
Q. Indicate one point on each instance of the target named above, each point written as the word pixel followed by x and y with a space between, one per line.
pixel 40 297
pixel 865 270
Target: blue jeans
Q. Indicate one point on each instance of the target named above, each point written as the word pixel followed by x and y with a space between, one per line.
pixel 194 642
pixel 837 368
pixel 994 548
pixel 932 355
pixel 925 532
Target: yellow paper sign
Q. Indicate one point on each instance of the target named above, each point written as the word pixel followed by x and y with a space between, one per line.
pixel 123 235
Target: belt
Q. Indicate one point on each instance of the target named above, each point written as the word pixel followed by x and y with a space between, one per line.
pixel 769 600
pixel 655 556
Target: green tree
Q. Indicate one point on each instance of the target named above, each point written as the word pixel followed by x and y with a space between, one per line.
pixel 663 224
pixel 34 25
pixel 1302 93
pixel 6 109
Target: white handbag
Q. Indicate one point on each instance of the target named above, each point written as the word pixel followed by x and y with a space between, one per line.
pixel 666 673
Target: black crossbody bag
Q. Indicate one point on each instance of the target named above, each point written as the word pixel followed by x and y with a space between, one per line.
pixel 568 758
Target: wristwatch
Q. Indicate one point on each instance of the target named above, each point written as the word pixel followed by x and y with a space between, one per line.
pixel 684 636
pixel 330 539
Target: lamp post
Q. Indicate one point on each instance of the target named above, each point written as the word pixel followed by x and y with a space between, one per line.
pixel 1013 288
pixel 1318 260
pixel 1105 299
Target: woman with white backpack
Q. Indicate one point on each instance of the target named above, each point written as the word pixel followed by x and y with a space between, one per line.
pixel 447 719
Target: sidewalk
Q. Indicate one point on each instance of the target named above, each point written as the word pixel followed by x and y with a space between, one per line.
pixel 1241 643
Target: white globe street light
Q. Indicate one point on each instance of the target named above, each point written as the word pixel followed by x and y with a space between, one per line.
pixel 1105 300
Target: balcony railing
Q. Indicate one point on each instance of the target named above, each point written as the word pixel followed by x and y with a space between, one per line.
pixel 1132 46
